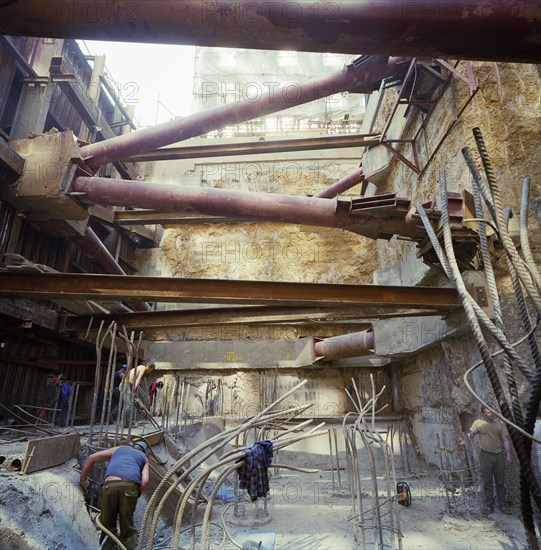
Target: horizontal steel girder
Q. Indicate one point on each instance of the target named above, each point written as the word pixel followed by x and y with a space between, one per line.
pixel 257 147
pixel 168 289
pixel 257 315
pixel 492 30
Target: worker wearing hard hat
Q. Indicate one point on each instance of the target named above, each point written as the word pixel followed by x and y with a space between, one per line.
pixel 126 477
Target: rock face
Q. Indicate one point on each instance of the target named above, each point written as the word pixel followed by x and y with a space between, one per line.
pixel 270 252
pixel 507 109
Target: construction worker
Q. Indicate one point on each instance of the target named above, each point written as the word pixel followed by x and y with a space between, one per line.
pixel 494 456
pixel 126 477
pixel 138 372
pixel 128 387
pixel 48 398
pixel 64 400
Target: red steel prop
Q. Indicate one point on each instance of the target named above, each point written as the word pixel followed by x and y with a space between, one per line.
pixel 355 344
pixel 491 30
pixel 364 75
pixel 347 182
pixel 227 202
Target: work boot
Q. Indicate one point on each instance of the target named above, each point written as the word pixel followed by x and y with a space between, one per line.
pixel 506 510
pixel 487 510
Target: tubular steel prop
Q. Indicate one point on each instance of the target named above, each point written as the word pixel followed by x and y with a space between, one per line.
pixel 467 29
pixel 228 202
pixel 361 76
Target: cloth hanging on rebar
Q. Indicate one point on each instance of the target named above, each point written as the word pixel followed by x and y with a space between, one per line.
pixel 254 474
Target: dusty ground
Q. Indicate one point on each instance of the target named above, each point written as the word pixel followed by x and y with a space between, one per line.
pixel 45 510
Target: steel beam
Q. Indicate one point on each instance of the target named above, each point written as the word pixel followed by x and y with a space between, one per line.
pixel 169 289
pixel 145 217
pixel 11 164
pixel 256 315
pixel 257 147
pixel 493 30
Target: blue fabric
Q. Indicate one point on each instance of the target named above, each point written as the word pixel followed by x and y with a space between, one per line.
pixel 254 475
pixel 117 379
pixel 65 392
pixel 127 463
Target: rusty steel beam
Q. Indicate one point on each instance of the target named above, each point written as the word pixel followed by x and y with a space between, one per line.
pixel 492 30
pixel 257 147
pixel 11 164
pixel 253 315
pixel 364 75
pixel 267 206
pixel 170 289
pixel 144 217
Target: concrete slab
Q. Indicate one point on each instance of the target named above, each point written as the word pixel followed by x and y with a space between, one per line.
pixel 50 451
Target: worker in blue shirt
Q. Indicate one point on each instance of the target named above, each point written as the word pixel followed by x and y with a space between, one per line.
pixel 64 400
pixel 126 477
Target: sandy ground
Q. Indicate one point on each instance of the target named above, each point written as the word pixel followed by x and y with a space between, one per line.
pixel 46 510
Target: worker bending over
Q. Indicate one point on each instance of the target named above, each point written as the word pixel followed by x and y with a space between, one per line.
pixel 126 477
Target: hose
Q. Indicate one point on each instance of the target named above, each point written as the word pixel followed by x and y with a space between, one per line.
pixel 484 404
pixel 220 439
pixel 528 273
pixel 199 482
pixel 109 534
pixel 226 530
pixel 534 397
pixel 205 537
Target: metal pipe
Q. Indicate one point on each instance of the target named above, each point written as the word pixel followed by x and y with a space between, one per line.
pixel 458 29
pixel 16 464
pixel 97 252
pixel 347 182
pixel 347 345
pixel 363 76
pixel 267 206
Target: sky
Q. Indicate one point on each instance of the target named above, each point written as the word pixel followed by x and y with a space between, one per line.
pixel 156 78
